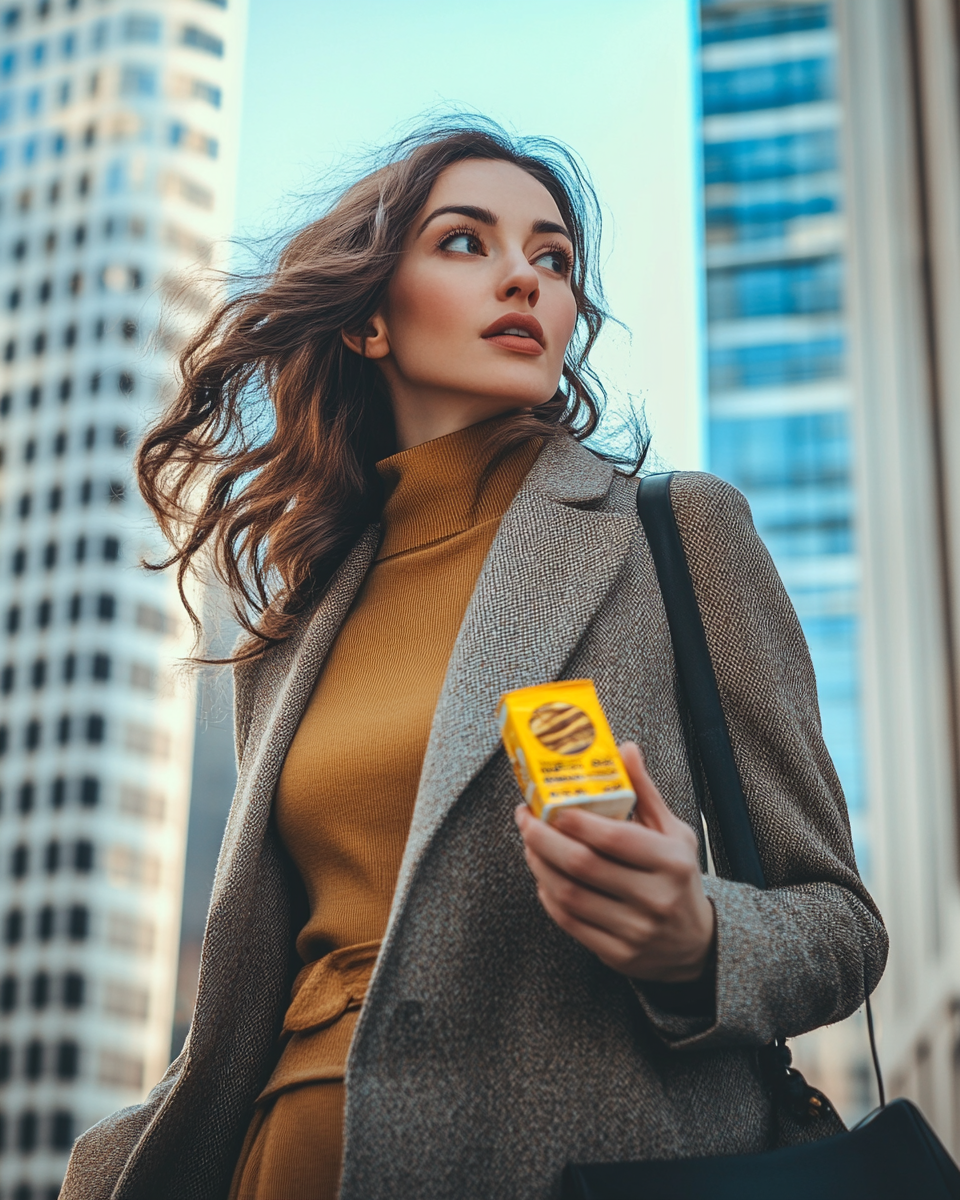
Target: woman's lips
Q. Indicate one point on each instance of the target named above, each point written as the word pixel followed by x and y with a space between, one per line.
pixel 516 331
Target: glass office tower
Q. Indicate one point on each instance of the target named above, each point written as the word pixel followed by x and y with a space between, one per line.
pixel 117 142
pixel 779 397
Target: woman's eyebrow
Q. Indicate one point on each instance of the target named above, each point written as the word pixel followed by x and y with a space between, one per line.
pixel 551 227
pixel 486 217
pixel 483 215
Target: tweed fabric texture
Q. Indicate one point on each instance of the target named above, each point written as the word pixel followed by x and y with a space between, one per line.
pixel 492 1048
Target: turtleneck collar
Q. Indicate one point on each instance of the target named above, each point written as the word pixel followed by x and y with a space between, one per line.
pixel 432 488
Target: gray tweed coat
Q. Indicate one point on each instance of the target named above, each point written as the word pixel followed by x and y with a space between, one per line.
pixel 492 1047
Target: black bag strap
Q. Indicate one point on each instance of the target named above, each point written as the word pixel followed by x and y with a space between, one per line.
pixel 701 697
pixel 698 683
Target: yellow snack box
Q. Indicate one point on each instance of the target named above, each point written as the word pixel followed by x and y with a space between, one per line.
pixel 562 750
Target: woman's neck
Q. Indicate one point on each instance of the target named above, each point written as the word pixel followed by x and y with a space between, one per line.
pixel 423 417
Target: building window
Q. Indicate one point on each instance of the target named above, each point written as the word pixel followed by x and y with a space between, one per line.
pixel 32 734
pixel 116 491
pixel 66 387
pixel 6 1062
pixel 26 796
pixel 4 738
pixel 44 613
pixel 50 555
pixel 83 856
pixel 46 923
pixel 101 666
pixel 111 549
pixel 139 27
pixel 13 618
pixel 24 505
pixel 58 792
pixel 200 39
pixel 76 607
pixel 73 989
pixel 125 382
pixel 90 436
pixel 29 450
pixel 33 1059
pixel 35 396
pixel 64 729
pixel 19 564
pixel 40 990
pixel 89 791
pixel 148 617
pixel 55 499
pixel 13 927
pixel 19 861
pixel 61 1130
pixel 9 988
pixel 138 81
pixel 78 922
pixel 27 1127
pixel 95 728
pixel 86 491
pixel 60 444
pixel 80 549
pixel 770 85
pixel 51 857
pixel 8 678
pixel 106 606
pixel 38 673
pixel 68 1060
pixel 69 667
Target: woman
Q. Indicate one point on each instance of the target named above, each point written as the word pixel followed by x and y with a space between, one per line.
pixel 478 997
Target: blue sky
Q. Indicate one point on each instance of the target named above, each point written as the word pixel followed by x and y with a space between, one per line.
pixel 612 78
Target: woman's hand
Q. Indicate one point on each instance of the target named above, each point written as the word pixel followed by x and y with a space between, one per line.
pixel 630 891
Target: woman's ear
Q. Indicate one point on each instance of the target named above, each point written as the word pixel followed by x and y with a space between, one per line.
pixel 373 342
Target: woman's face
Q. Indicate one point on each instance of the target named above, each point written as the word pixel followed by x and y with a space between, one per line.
pixel 480 310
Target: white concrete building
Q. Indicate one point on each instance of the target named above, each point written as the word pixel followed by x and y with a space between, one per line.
pixel 118 130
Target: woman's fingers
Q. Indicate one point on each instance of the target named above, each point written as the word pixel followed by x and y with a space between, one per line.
pixel 590 848
pixel 624 918
pixel 651 809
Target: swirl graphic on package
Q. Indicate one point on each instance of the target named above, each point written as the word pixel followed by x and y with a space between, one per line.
pixel 562 728
pixel 563 751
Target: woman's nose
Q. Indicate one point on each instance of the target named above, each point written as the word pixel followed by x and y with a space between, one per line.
pixel 520 281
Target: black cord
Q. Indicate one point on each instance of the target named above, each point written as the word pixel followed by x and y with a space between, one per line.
pixel 873 1051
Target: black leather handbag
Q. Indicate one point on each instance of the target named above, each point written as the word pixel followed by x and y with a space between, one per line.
pixel 892 1154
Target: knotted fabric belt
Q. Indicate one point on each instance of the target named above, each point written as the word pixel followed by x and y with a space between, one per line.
pixel 327 996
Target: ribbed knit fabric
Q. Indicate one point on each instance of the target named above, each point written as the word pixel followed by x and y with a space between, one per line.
pixel 347 790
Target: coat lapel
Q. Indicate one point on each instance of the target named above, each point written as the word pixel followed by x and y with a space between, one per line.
pixel 548 570
pixel 286 680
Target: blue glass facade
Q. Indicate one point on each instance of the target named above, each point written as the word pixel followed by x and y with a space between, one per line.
pixel 779 426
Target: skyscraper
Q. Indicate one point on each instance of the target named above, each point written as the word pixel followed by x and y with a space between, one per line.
pixel 779 417
pixel 831 150
pixel 117 148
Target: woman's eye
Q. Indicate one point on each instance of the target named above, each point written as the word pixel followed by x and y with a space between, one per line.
pixel 463 243
pixel 553 260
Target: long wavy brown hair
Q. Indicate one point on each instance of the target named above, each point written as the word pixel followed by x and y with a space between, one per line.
pixel 263 465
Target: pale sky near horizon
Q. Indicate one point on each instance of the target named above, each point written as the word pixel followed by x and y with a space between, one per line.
pixel 611 78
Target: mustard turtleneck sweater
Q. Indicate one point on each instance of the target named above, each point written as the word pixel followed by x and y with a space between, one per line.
pixel 346 793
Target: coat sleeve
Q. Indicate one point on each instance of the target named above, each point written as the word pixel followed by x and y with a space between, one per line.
pixel 101 1154
pixel 799 954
